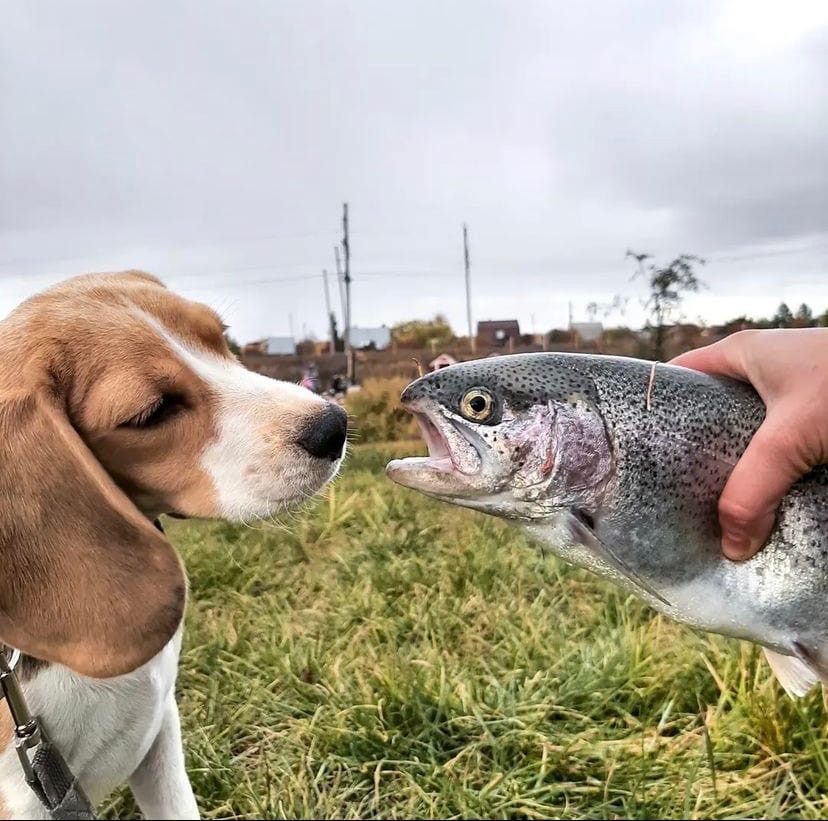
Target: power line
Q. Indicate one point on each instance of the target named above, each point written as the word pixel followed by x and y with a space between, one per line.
pixel 724 256
pixel 241 283
pixel 229 240
pixel 719 257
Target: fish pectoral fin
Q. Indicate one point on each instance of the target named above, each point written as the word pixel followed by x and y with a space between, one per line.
pixel 584 534
pixel 795 676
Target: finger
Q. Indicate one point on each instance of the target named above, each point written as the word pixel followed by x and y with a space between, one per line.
pixel 761 478
pixel 723 357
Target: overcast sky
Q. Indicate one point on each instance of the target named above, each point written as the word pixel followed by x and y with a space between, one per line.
pixel 213 143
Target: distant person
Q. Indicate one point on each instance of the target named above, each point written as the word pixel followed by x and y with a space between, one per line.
pixel 789 370
pixel 309 379
pixel 339 384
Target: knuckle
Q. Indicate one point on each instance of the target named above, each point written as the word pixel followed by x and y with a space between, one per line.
pixel 736 513
pixel 773 439
pixel 782 447
pixel 741 339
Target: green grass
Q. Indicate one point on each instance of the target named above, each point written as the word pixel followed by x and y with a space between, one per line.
pixel 385 656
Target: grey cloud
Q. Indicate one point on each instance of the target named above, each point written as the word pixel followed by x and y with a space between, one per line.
pixel 215 142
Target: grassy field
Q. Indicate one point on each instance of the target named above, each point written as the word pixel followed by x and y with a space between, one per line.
pixel 384 656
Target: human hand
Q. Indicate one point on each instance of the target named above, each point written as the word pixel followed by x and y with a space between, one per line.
pixel 789 370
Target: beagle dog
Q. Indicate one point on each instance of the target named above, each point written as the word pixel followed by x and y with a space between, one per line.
pixel 120 401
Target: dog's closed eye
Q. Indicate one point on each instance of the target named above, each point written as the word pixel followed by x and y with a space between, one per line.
pixel 156 413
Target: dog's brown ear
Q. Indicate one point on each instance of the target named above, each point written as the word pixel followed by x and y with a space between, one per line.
pixel 85 579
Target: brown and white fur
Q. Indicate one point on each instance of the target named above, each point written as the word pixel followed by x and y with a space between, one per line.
pixel 120 401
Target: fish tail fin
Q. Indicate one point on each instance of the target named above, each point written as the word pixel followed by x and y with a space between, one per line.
pixel 794 673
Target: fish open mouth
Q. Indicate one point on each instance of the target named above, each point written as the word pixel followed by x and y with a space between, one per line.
pixel 452 458
pixel 439 454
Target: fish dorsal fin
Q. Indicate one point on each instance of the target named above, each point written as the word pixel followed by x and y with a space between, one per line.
pixel 793 674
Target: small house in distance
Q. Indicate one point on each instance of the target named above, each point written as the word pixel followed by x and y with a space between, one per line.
pixel 586 333
pixel 377 339
pixel 441 361
pixel 272 346
pixel 498 332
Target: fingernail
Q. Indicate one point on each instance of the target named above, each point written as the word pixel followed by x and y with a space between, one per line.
pixel 738 545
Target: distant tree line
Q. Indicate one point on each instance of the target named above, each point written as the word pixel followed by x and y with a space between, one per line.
pixel 783 318
pixel 667 286
pixel 422 333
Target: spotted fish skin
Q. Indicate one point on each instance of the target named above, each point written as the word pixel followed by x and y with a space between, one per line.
pixel 670 437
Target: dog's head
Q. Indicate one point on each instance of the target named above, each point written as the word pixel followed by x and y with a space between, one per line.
pixel 120 401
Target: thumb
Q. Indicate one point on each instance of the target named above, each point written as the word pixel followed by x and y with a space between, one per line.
pixel 749 501
pixel 721 357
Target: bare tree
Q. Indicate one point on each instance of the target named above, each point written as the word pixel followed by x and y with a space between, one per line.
pixel 618 304
pixel 667 286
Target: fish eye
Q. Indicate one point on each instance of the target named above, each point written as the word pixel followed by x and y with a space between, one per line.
pixel 477 405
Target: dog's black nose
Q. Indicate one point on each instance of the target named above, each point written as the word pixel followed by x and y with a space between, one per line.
pixel 324 436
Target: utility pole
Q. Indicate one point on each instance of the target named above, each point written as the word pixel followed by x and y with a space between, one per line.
pixel 346 337
pixel 472 340
pixel 339 281
pixel 346 247
pixel 332 348
pixel 292 335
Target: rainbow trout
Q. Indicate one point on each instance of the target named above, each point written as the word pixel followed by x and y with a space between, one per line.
pixel 616 465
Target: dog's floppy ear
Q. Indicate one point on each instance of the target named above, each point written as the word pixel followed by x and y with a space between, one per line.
pixel 85 579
